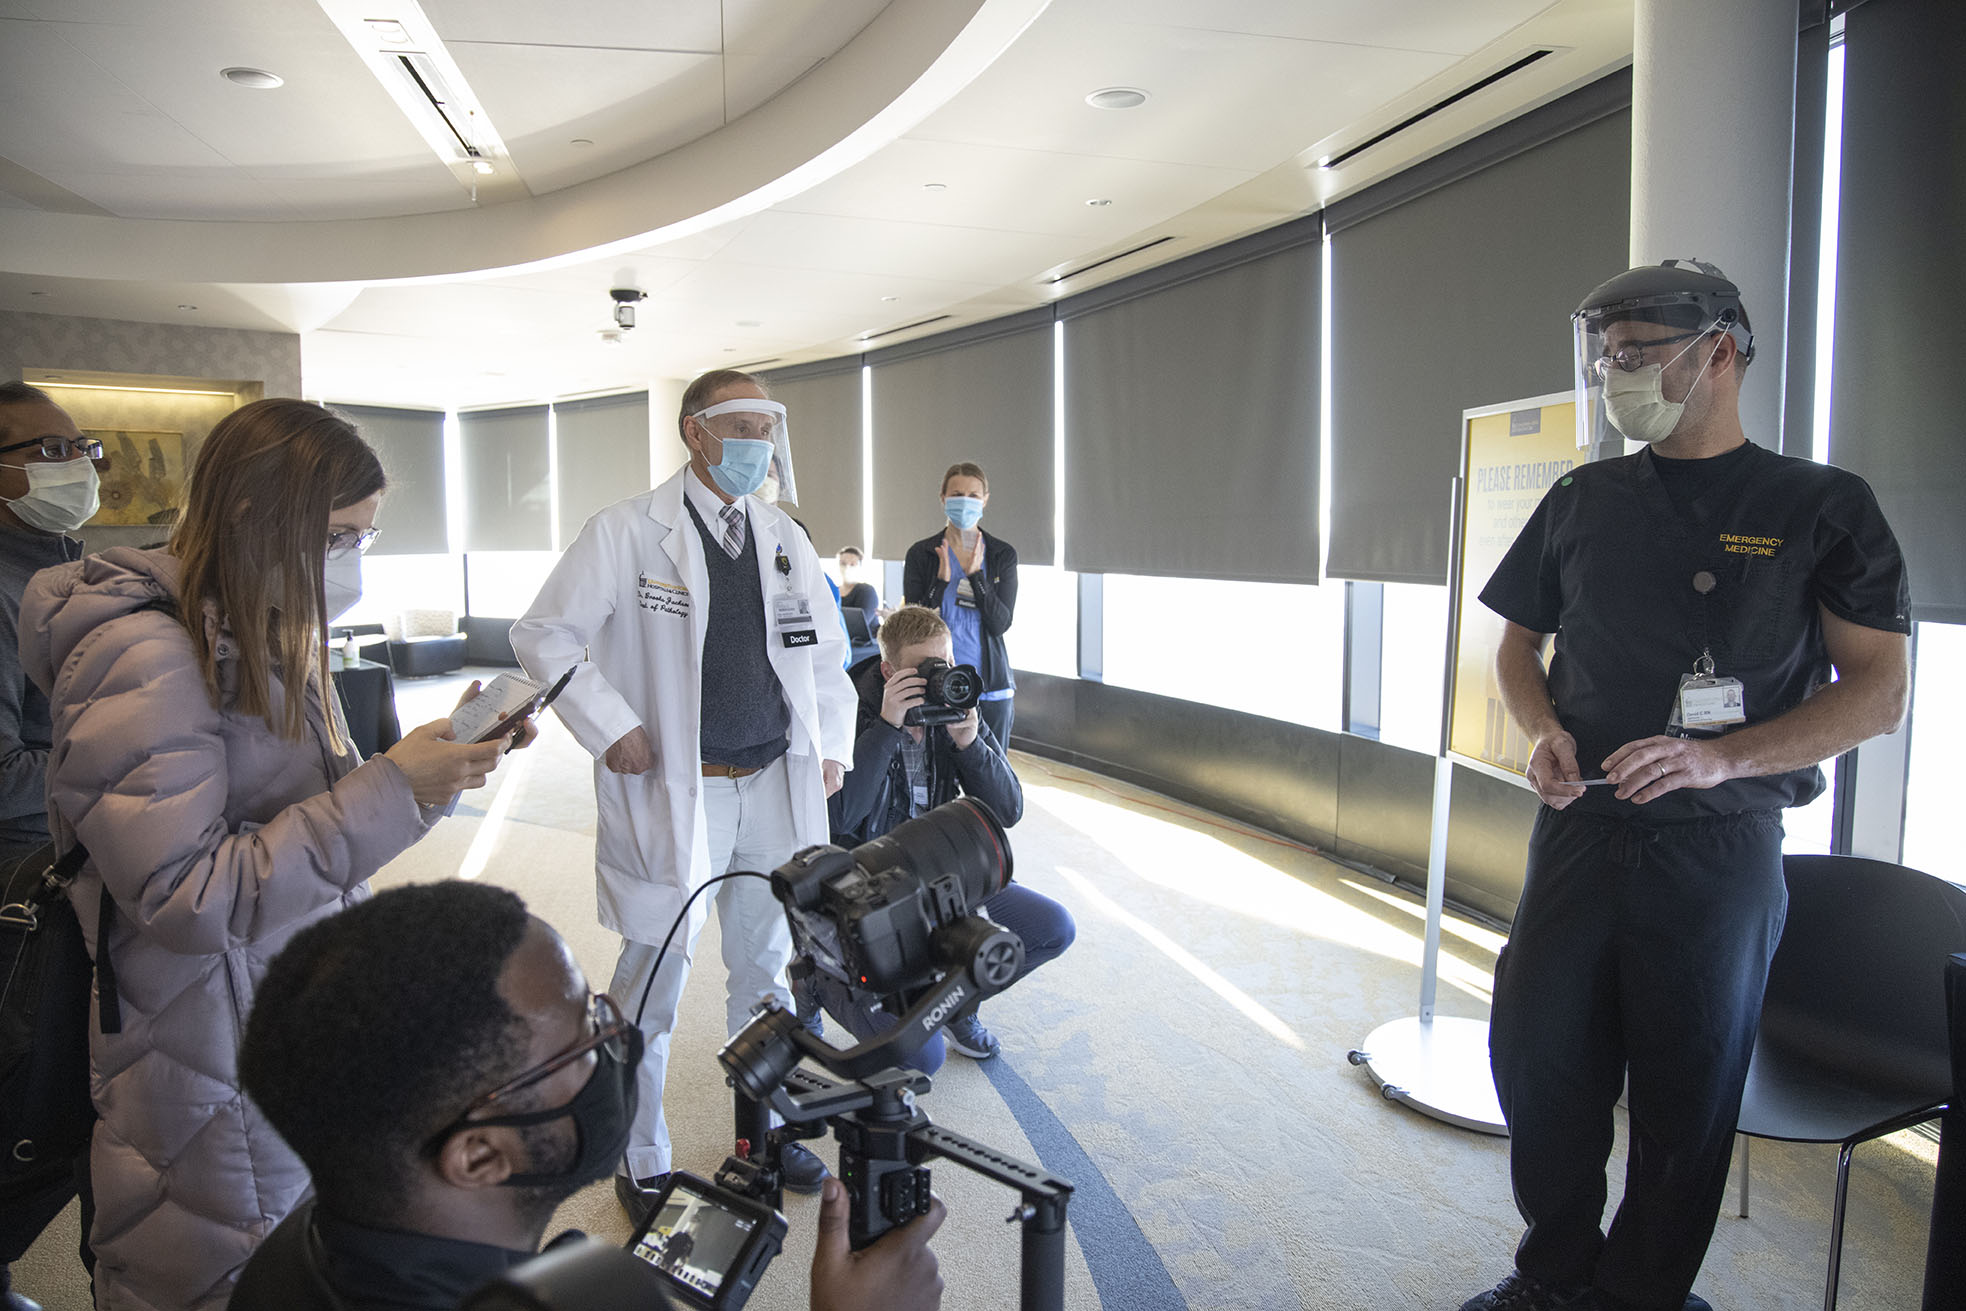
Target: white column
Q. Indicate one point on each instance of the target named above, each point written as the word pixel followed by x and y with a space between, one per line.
pixel 1713 136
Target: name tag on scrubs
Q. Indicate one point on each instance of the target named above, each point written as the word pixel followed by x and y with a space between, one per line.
pixel 1712 702
pixel 791 619
pixel 965 595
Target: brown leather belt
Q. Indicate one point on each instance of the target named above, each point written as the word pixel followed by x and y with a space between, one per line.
pixel 729 771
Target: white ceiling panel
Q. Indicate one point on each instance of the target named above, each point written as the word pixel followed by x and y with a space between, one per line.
pixel 883 247
pixel 42 80
pixel 1014 190
pixel 1442 26
pixel 331 112
pixel 678 25
pixel 751 80
pixel 167 15
pixel 810 29
pixel 316 193
pixel 632 104
pixel 1216 98
pixel 184 193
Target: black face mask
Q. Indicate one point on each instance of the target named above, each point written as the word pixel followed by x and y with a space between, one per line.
pixel 602 1112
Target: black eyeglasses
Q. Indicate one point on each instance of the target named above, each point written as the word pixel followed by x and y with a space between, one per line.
pixel 61 448
pixel 1632 358
pixel 609 1031
pixel 349 537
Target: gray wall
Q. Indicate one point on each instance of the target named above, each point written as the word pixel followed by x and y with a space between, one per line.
pixel 1359 800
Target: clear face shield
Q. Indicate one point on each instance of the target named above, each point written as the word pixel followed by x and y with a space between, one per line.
pixel 1621 358
pixel 736 422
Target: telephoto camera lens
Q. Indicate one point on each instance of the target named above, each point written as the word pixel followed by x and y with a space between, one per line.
pixel 957 850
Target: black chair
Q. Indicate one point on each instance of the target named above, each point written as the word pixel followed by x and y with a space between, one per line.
pixel 1853 1042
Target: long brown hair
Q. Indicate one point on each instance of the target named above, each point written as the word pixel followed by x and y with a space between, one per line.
pixel 253 541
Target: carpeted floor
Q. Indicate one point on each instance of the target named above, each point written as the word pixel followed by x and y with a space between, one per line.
pixel 1184 1065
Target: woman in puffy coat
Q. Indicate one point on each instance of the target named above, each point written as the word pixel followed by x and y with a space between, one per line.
pixel 213 783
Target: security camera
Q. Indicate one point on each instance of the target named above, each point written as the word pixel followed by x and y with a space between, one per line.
pixel 624 305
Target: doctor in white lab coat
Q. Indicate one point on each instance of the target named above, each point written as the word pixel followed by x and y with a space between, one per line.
pixel 698 768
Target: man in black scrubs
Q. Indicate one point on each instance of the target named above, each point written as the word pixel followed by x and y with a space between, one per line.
pixel 1700 593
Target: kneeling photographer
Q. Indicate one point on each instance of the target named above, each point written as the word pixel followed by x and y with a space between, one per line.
pixel 436 1060
pixel 920 743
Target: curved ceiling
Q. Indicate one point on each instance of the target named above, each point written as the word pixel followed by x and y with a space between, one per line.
pixel 784 179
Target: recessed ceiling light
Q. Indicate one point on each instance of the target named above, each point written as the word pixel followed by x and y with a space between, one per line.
pixel 1099 202
pixel 935 186
pixel 1117 97
pixel 37 293
pixel 388 29
pixel 750 323
pixel 187 307
pixel 886 300
pixel 483 166
pixel 581 143
pixel 258 79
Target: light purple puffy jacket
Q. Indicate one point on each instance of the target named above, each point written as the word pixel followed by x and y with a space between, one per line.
pixel 218 840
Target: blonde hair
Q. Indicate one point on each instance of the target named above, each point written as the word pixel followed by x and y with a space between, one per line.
pixel 965 469
pixel 253 541
pixel 911 625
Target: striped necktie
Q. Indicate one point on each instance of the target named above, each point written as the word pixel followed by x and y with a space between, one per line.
pixel 733 529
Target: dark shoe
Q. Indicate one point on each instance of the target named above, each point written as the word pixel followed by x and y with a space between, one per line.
pixel 637 1198
pixel 1694 1302
pixel 968 1036
pixel 799 1169
pixel 1518 1292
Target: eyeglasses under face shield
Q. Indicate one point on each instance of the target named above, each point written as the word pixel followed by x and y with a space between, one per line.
pixel 1637 332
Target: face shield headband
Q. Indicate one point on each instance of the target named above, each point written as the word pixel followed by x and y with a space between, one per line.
pixel 755 420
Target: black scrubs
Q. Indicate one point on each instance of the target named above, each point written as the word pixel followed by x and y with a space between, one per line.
pixel 1641 945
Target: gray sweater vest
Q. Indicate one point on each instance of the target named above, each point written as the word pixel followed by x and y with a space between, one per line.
pixel 743 708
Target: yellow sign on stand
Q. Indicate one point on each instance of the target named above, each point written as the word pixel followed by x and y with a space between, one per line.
pixel 1510 455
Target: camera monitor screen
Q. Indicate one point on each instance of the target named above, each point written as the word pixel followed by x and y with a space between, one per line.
pixel 712 1244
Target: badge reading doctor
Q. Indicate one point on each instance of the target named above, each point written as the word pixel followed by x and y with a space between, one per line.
pixel 791 612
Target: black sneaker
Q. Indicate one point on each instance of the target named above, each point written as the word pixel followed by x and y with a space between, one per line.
pixel 637 1197
pixel 799 1169
pixel 1518 1292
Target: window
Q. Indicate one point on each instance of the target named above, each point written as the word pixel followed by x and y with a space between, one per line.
pixel 1938 720
pixel 1413 666
pixel 1045 636
pixel 392 584
pixel 1275 649
pixel 503 583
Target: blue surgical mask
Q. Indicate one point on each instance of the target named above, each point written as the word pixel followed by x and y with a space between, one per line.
pixel 743 467
pixel 963 511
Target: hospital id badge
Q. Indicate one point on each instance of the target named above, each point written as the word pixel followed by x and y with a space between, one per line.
pixel 1709 702
pixel 965 595
pixel 791 618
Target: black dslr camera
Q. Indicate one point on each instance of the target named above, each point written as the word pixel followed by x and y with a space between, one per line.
pixel 948 692
pixel 896 920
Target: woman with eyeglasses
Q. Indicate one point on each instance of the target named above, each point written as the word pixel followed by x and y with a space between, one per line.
pixel 200 756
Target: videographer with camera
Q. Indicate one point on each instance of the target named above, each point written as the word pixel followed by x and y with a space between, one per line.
pixel 436 1060
pixel 921 743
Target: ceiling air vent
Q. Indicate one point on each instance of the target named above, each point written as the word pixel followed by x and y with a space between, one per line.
pixel 1101 263
pixel 1333 161
pixel 906 327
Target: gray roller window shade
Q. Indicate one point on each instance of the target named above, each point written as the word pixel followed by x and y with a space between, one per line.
pixel 506 480
pixel 1898 389
pixel 1191 418
pixel 822 405
pixel 410 444
pixel 602 453
pixel 986 398
pixel 1457 297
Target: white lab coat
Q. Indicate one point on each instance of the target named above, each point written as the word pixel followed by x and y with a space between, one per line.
pixel 627 604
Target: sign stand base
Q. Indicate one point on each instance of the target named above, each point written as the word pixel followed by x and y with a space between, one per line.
pixel 1438 1067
